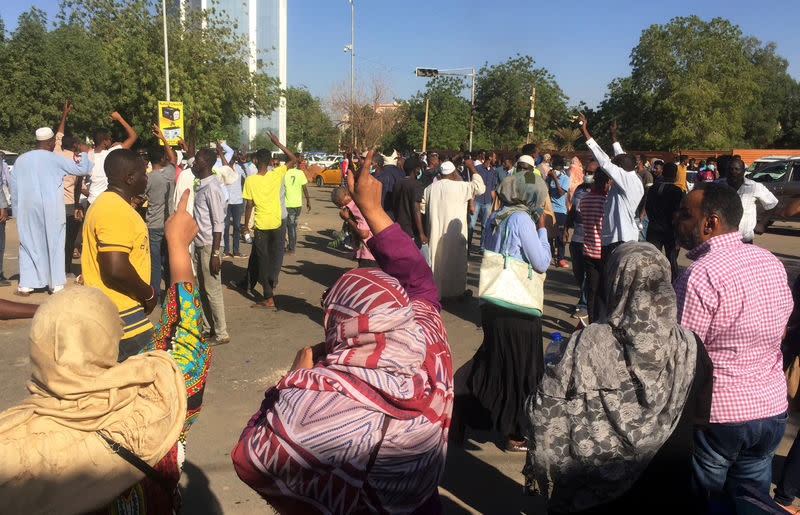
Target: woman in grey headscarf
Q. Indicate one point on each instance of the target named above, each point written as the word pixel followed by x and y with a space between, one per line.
pixel 612 421
pixel 508 365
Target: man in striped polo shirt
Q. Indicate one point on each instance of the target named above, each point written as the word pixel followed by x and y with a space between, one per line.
pixel 591 207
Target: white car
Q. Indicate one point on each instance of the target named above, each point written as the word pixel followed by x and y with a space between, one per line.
pixel 323 160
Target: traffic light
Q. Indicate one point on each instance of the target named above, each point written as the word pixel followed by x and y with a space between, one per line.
pixel 427 72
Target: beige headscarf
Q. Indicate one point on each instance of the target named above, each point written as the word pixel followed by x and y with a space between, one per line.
pixel 52 459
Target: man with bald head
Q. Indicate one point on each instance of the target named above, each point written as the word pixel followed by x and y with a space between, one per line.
pixel 750 192
pixel 37 198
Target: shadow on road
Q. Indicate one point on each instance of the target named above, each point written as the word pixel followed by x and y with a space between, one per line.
pixel 300 306
pixel 482 487
pixel 197 496
pixel 321 273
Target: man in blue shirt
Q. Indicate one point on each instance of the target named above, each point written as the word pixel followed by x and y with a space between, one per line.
pixel 558 185
pixel 484 164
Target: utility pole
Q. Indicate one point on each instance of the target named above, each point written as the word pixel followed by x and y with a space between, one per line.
pixel 425 130
pixel 529 138
pixel 166 45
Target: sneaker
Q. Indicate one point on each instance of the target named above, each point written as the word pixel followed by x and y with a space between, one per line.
pixel 220 341
pixel 562 264
pixel 239 255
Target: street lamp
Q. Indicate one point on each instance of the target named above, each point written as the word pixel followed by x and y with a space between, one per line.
pixel 352 68
pixel 433 72
pixel 166 45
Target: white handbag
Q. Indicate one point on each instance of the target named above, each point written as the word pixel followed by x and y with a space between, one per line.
pixel 509 282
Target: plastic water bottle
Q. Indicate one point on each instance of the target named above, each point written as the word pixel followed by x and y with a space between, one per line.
pixel 554 349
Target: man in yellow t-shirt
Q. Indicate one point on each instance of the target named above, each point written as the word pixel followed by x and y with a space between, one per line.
pixel 680 179
pixel 295 184
pixel 116 249
pixel 262 193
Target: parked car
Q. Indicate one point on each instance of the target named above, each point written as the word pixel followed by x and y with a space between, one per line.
pixel 330 175
pixel 780 175
pixel 9 157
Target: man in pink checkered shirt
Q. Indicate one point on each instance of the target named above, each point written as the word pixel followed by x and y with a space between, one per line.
pixel 737 299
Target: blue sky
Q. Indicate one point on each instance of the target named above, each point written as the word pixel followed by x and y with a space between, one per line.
pixel 584 44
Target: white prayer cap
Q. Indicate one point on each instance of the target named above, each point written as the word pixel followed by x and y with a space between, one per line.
pixel 44 133
pixel 178 157
pixel 448 168
pixel 528 160
pixel 391 159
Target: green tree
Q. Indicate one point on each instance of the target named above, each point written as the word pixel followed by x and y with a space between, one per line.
pixel 306 121
pixel 502 102
pixel 105 56
pixel 448 117
pixel 700 84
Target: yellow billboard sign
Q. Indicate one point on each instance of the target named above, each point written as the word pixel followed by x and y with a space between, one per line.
pixel 170 120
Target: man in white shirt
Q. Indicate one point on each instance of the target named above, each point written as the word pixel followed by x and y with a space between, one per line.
pixel 750 192
pixel 98 182
pixel 620 211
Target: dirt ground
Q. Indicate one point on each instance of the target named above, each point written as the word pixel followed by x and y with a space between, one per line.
pixel 479 477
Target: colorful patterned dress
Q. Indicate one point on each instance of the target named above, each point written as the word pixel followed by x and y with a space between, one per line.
pixel 179 334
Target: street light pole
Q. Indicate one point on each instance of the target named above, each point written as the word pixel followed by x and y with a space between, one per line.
pixel 472 110
pixel 166 45
pixel 352 69
pixel 433 72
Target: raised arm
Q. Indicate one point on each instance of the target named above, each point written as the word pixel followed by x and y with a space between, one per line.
pixel 60 132
pixel 132 136
pixel 178 332
pixel 171 157
pixel 616 173
pixel 392 248
pixel 292 158
pixel 222 153
pixel 616 144
pixel 192 130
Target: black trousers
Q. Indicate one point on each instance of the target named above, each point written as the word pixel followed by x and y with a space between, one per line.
pixel 266 245
pixel 667 242
pixel 578 268
pixel 600 296
pixel 594 302
pixel 73 230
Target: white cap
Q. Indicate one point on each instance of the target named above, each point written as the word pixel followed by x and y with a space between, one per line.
pixel 528 160
pixel 448 167
pixel 44 133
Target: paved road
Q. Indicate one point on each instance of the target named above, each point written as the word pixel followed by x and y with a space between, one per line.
pixel 479 477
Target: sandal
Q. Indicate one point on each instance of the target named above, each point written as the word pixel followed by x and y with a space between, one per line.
pixel 263 305
pixel 19 293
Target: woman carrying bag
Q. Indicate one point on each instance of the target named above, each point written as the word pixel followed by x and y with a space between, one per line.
pixel 509 364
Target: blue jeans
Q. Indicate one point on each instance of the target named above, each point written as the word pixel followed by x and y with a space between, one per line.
pixel 292 214
pixel 156 236
pixel 481 213
pixel 232 217
pixel 728 455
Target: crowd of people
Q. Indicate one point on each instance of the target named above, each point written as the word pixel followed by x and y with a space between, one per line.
pixel 672 383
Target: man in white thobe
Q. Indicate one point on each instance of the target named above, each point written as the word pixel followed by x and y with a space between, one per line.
pixel 445 202
pixel 37 198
